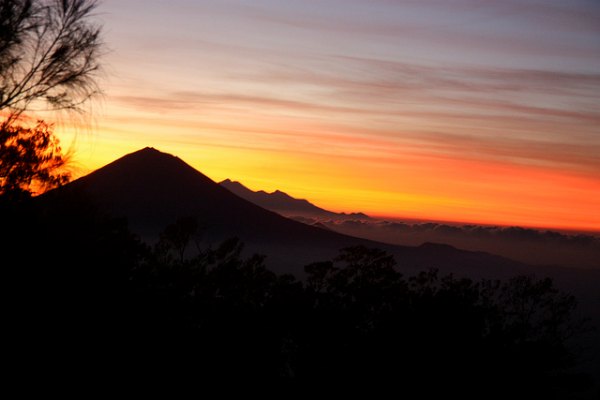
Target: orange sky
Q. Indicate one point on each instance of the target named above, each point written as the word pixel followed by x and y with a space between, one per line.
pixel 484 114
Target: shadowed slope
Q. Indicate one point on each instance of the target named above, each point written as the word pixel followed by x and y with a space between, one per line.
pixel 153 189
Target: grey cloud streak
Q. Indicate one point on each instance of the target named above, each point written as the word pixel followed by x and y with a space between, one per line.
pixel 479 97
pixel 542 247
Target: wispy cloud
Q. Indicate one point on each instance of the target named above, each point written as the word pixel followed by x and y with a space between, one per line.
pixel 390 87
pixel 549 118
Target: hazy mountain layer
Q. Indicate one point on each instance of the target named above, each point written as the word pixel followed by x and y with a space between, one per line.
pixel 153 189
pixel 286 205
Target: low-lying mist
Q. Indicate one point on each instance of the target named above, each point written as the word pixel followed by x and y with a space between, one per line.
pixel 532 246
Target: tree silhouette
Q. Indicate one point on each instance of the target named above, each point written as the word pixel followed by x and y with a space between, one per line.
pixel 31 160
pixel 370 324
pixel 176 237
pixel 49 52
pixel 356 321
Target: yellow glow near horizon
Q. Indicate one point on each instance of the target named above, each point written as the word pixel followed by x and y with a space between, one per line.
pixel 415 186
pixel 460 122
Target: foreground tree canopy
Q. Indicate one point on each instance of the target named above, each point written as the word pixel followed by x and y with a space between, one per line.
pixel 31 160
pixel 49 60
pixel 92 294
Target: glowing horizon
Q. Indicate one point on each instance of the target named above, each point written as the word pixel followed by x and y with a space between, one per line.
pixel 448 111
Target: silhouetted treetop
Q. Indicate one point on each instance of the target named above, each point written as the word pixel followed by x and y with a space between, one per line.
pixel 31 160
pixel 49 51
pixel 356 321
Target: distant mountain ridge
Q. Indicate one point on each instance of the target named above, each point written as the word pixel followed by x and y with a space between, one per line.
pixel 152 189
pixel 286 205
pixel 527 245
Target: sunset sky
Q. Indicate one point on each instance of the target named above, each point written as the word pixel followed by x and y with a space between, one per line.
pixel 452 110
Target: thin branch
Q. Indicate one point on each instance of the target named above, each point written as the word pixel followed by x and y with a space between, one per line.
pixel 51 57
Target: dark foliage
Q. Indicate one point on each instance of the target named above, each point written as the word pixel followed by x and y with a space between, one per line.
pixel 31 160
pixel 84 290
pixel 49 52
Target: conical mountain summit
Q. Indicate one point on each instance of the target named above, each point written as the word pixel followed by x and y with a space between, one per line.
pixel 152 190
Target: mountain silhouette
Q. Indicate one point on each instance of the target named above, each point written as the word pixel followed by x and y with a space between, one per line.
pixel 286 205
pixel 152 189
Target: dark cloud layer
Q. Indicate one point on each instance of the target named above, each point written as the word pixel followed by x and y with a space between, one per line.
pixel 540 247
